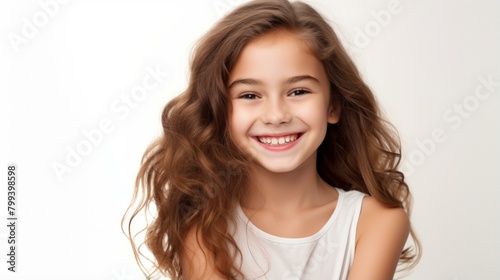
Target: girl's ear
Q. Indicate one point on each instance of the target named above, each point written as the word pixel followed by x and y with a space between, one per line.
pixel 334 112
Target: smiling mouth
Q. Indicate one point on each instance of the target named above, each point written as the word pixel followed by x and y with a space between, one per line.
pixel 278 140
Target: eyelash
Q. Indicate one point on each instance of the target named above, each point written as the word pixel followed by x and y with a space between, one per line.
pixel 295 92
pixel 301 90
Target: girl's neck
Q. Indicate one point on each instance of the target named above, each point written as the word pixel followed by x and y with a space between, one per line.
pixel 288 192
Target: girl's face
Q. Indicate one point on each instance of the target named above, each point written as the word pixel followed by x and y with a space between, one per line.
pixel 280 96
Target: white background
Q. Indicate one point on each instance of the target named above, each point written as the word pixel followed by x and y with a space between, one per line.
pixel 71 69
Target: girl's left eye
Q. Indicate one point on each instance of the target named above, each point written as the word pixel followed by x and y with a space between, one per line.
pixel 297 92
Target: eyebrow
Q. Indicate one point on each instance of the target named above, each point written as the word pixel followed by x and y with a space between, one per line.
pixel 290 80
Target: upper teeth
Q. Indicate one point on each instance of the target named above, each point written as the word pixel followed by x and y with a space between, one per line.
pixel 278 140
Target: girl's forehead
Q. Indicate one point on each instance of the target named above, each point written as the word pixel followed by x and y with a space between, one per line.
pixel 280 35
pixel 275 57
pixel 271 46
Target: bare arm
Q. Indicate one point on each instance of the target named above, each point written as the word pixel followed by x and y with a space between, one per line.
pixel 196 262
pixel 381 235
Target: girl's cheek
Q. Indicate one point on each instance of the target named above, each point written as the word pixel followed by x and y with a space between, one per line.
pixel 241 115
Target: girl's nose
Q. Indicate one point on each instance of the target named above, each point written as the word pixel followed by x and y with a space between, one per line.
pixel 276 112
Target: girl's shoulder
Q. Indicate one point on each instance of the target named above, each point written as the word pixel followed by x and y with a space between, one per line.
pixel 373 212
pixel 375 217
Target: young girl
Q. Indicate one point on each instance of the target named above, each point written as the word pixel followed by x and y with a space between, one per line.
pixel 275 162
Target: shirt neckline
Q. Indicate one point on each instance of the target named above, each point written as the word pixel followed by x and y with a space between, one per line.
pixel 288 240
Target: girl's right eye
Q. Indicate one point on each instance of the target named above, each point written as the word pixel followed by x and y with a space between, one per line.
pixel 248 96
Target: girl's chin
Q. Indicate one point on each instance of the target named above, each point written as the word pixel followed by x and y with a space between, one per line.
pixel 275 168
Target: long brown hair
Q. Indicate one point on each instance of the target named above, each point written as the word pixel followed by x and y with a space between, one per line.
pixel 194 174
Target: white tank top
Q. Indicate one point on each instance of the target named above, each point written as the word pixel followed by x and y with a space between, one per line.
pixel 328 254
